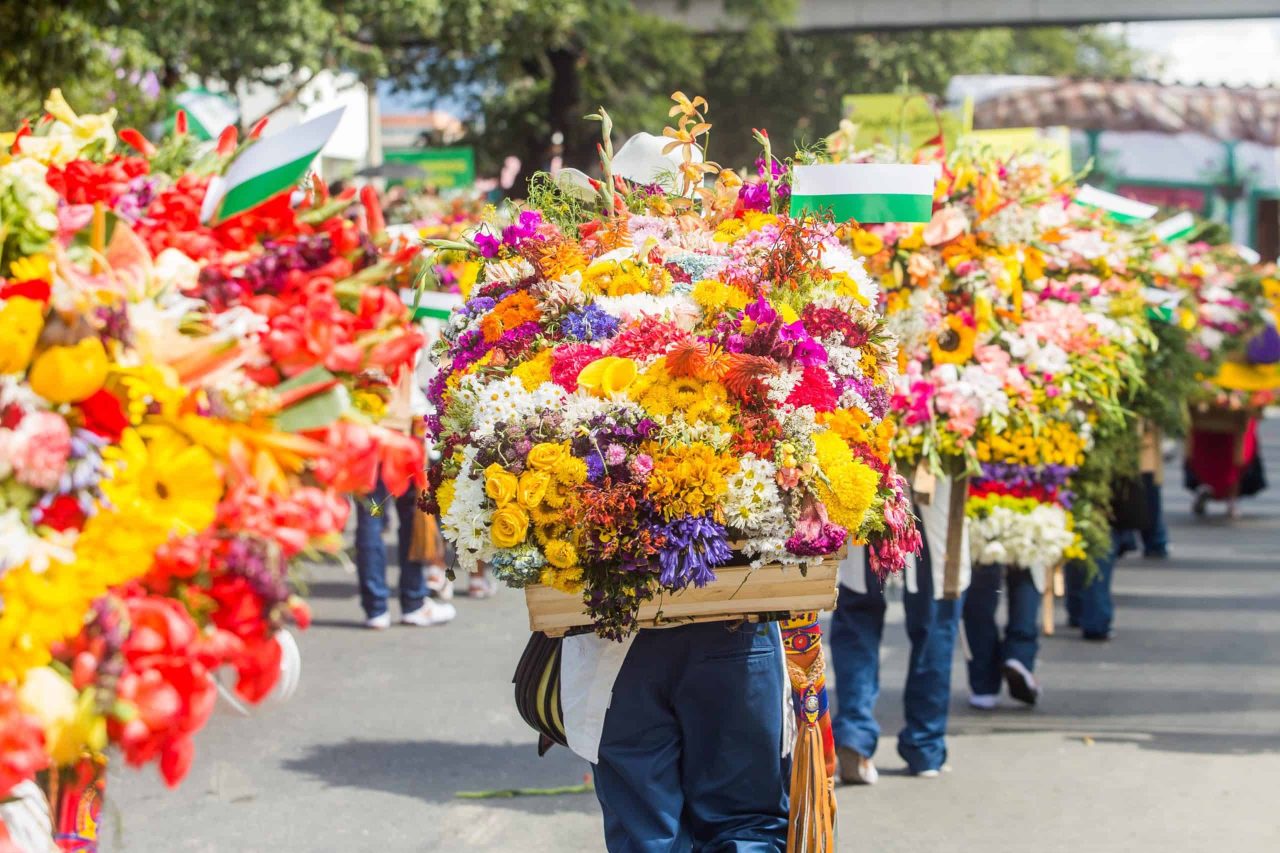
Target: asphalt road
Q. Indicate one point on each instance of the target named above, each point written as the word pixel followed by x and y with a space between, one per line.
pixel 1166 739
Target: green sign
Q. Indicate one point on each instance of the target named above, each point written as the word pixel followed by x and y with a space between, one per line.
pixel 443 168
pixel 909 120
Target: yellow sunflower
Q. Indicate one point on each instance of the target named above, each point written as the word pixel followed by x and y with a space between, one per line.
pixel 953 344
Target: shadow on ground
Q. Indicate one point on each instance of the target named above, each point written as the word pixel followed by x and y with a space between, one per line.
pixel 435 771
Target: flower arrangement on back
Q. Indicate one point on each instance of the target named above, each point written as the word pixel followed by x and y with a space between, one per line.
pixel 629 395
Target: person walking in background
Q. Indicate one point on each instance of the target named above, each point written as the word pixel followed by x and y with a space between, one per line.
pixel 1011 659
pixel 857 627
pixel 1153 533
pixel 404 413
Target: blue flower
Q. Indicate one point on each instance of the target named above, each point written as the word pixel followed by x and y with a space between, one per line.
pixel 589 324
pixel 695 546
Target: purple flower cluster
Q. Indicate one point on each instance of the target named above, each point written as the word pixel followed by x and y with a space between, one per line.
pixel 524 228
pixel 828 541
pixel 589 324
pixel 1026 475
pixel 695 545
pixel 250 559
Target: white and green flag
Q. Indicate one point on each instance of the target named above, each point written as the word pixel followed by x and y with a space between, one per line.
pixel 866 192
pixel 1175 227
pixel 208 113
pixel 1120 208
pixel 267 168
pixel 431 304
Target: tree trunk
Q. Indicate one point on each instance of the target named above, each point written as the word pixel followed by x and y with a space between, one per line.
pixel 564 115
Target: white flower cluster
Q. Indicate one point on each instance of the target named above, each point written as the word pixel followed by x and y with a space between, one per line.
pixel 495 401
pixel 753 505
pixel 467 521
pixel 1035 540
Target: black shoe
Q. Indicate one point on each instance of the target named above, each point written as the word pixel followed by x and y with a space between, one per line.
pixel 1105 637
pixel 1156 554
pixel 1022 684
pixel 1073 623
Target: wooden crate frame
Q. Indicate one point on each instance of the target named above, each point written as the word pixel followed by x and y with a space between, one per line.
pixel 738 592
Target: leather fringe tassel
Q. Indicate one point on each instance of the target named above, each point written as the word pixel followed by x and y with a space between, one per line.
pixel 812 820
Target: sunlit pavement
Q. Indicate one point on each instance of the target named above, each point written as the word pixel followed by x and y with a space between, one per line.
pixel 1166 739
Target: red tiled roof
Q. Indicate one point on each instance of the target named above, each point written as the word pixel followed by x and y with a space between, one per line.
pixel 1218 112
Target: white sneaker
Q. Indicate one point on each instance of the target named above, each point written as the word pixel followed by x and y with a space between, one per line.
pixel 984 701
pixel 933 773
pixel 439 584
pixel 1021 683
pixel 856 768
pixel 381 622
pixel 430 613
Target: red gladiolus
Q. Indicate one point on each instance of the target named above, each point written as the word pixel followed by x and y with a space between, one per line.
pixel 36 289
pixel 135 140
pixel 85 182
pixel 104 415
pixel 227 140
pixel 258 668
pixel 373 210
pixel 258 127
pixel 166 681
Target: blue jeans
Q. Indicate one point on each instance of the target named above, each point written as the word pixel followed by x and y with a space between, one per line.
pixel 1155 537
pixel 1089 604
pixel 856 629
pixel 690 757
pixel 987 652
pixel 371 553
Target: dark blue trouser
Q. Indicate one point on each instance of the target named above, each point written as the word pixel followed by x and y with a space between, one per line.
pixel 856 629
pixel 1155 536
pixel 371 553
pixel 690 758
pixel 1089 603
pixel 987 652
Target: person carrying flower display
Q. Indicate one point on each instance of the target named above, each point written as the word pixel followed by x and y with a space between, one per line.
pixel 186 404
pixel 650 381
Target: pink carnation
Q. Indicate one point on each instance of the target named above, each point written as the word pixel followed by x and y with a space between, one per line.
pixel 567 362
pixel 40 447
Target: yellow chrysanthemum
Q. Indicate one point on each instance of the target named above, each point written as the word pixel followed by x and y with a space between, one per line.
pixel 444 495
pixel 535 371
pixel 689 480
pixel 715 296
pixel 852 484
pixel 31 268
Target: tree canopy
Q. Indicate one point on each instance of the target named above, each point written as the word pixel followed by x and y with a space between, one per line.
pixel 523 72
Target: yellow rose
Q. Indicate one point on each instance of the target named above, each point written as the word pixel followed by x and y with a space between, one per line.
pixel 546 455
pixel 533 487
pixel 561 554
pixel 70 374
pixel 510 524
pixel 500 484
pixel 21 320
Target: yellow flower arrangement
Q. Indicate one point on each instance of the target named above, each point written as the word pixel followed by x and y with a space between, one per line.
pixel 689 480
pixel 500 484
pixel 1056 443
pixel 850 485
pixel 700 400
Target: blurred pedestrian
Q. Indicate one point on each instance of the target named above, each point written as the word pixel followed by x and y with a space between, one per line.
pixel 404 413
pixel 1010 659
pixel 857 627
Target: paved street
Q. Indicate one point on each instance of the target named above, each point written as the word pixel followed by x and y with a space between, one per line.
pixel 1167 739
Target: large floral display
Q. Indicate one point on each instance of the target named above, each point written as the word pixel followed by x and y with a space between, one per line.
pixel 1023 334
pixel 183 410
pixel 628 395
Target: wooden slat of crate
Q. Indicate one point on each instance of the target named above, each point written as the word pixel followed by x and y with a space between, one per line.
pixel 736 592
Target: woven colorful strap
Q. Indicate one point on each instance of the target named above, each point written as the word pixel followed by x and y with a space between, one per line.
pixel 802 641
